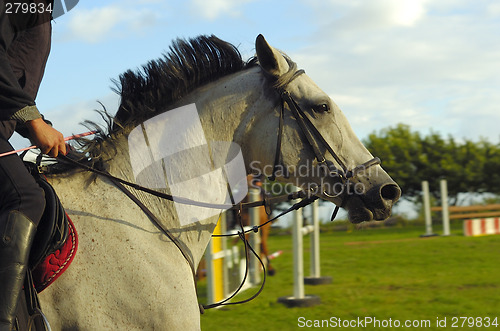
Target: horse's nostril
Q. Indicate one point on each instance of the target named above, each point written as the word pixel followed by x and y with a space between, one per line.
pixel 390 192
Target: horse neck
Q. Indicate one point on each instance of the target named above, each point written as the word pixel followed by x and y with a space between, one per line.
pixel 228 110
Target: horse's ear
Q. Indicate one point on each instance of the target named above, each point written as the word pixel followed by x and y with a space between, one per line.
pixel 269 58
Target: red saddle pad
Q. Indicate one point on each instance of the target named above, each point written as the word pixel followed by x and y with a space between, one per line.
pixel 56 263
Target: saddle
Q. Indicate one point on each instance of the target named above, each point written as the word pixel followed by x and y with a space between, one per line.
pixel 53 229
pixel 56 241
pixel 52 251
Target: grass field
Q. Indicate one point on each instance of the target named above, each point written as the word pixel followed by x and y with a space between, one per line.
pixel 384 274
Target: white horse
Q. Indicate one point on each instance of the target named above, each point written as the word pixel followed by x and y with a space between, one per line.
pixel 127 275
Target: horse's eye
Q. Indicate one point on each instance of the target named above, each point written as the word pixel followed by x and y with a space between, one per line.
pixel 321 108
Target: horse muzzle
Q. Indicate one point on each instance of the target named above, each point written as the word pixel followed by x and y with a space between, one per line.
pixel 374 204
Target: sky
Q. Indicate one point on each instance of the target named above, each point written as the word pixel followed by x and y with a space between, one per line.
pixel 432 64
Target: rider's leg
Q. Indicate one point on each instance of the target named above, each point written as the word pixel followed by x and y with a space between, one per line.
pixel 22 203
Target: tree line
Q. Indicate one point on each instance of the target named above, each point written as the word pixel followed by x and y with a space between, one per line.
pixel 411 157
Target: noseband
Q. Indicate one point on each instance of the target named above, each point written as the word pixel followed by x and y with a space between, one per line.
pixel 314 139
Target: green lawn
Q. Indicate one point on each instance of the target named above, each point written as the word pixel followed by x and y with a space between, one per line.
pixel 383 273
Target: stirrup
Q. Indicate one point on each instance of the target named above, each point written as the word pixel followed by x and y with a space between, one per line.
pixel 43 320
pixel 36 318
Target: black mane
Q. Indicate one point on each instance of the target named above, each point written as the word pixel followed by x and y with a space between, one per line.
pixel 187 66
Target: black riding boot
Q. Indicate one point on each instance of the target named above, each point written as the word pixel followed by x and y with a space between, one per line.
pixel 16 235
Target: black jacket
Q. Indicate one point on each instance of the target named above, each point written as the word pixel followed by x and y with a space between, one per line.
pixel 24 49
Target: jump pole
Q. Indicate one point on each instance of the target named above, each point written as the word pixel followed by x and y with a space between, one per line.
pixel 315 277
pixel 253 213
pixel 299 299
pixel 444 211
pixel 214 255
pixel 427 210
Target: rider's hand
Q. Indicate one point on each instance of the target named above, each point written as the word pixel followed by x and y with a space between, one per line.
pixel 49 140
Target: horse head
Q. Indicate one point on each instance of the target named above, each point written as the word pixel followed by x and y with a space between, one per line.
pixel 317 149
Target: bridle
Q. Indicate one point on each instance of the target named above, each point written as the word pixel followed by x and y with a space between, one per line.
pixel 314 139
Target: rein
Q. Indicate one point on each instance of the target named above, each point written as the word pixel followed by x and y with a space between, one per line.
pixel 266 202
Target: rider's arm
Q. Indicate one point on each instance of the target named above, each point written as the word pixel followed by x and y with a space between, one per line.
pixel 17 105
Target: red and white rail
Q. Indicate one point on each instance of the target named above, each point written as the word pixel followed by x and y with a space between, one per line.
pixel 482 226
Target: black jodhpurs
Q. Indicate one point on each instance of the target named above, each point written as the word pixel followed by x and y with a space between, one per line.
pixel 18 189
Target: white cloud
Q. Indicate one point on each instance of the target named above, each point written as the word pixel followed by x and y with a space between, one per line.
pixel 406 12
pixel 360 14
pixel 493 9
pixel 99 24
pixel 213 9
